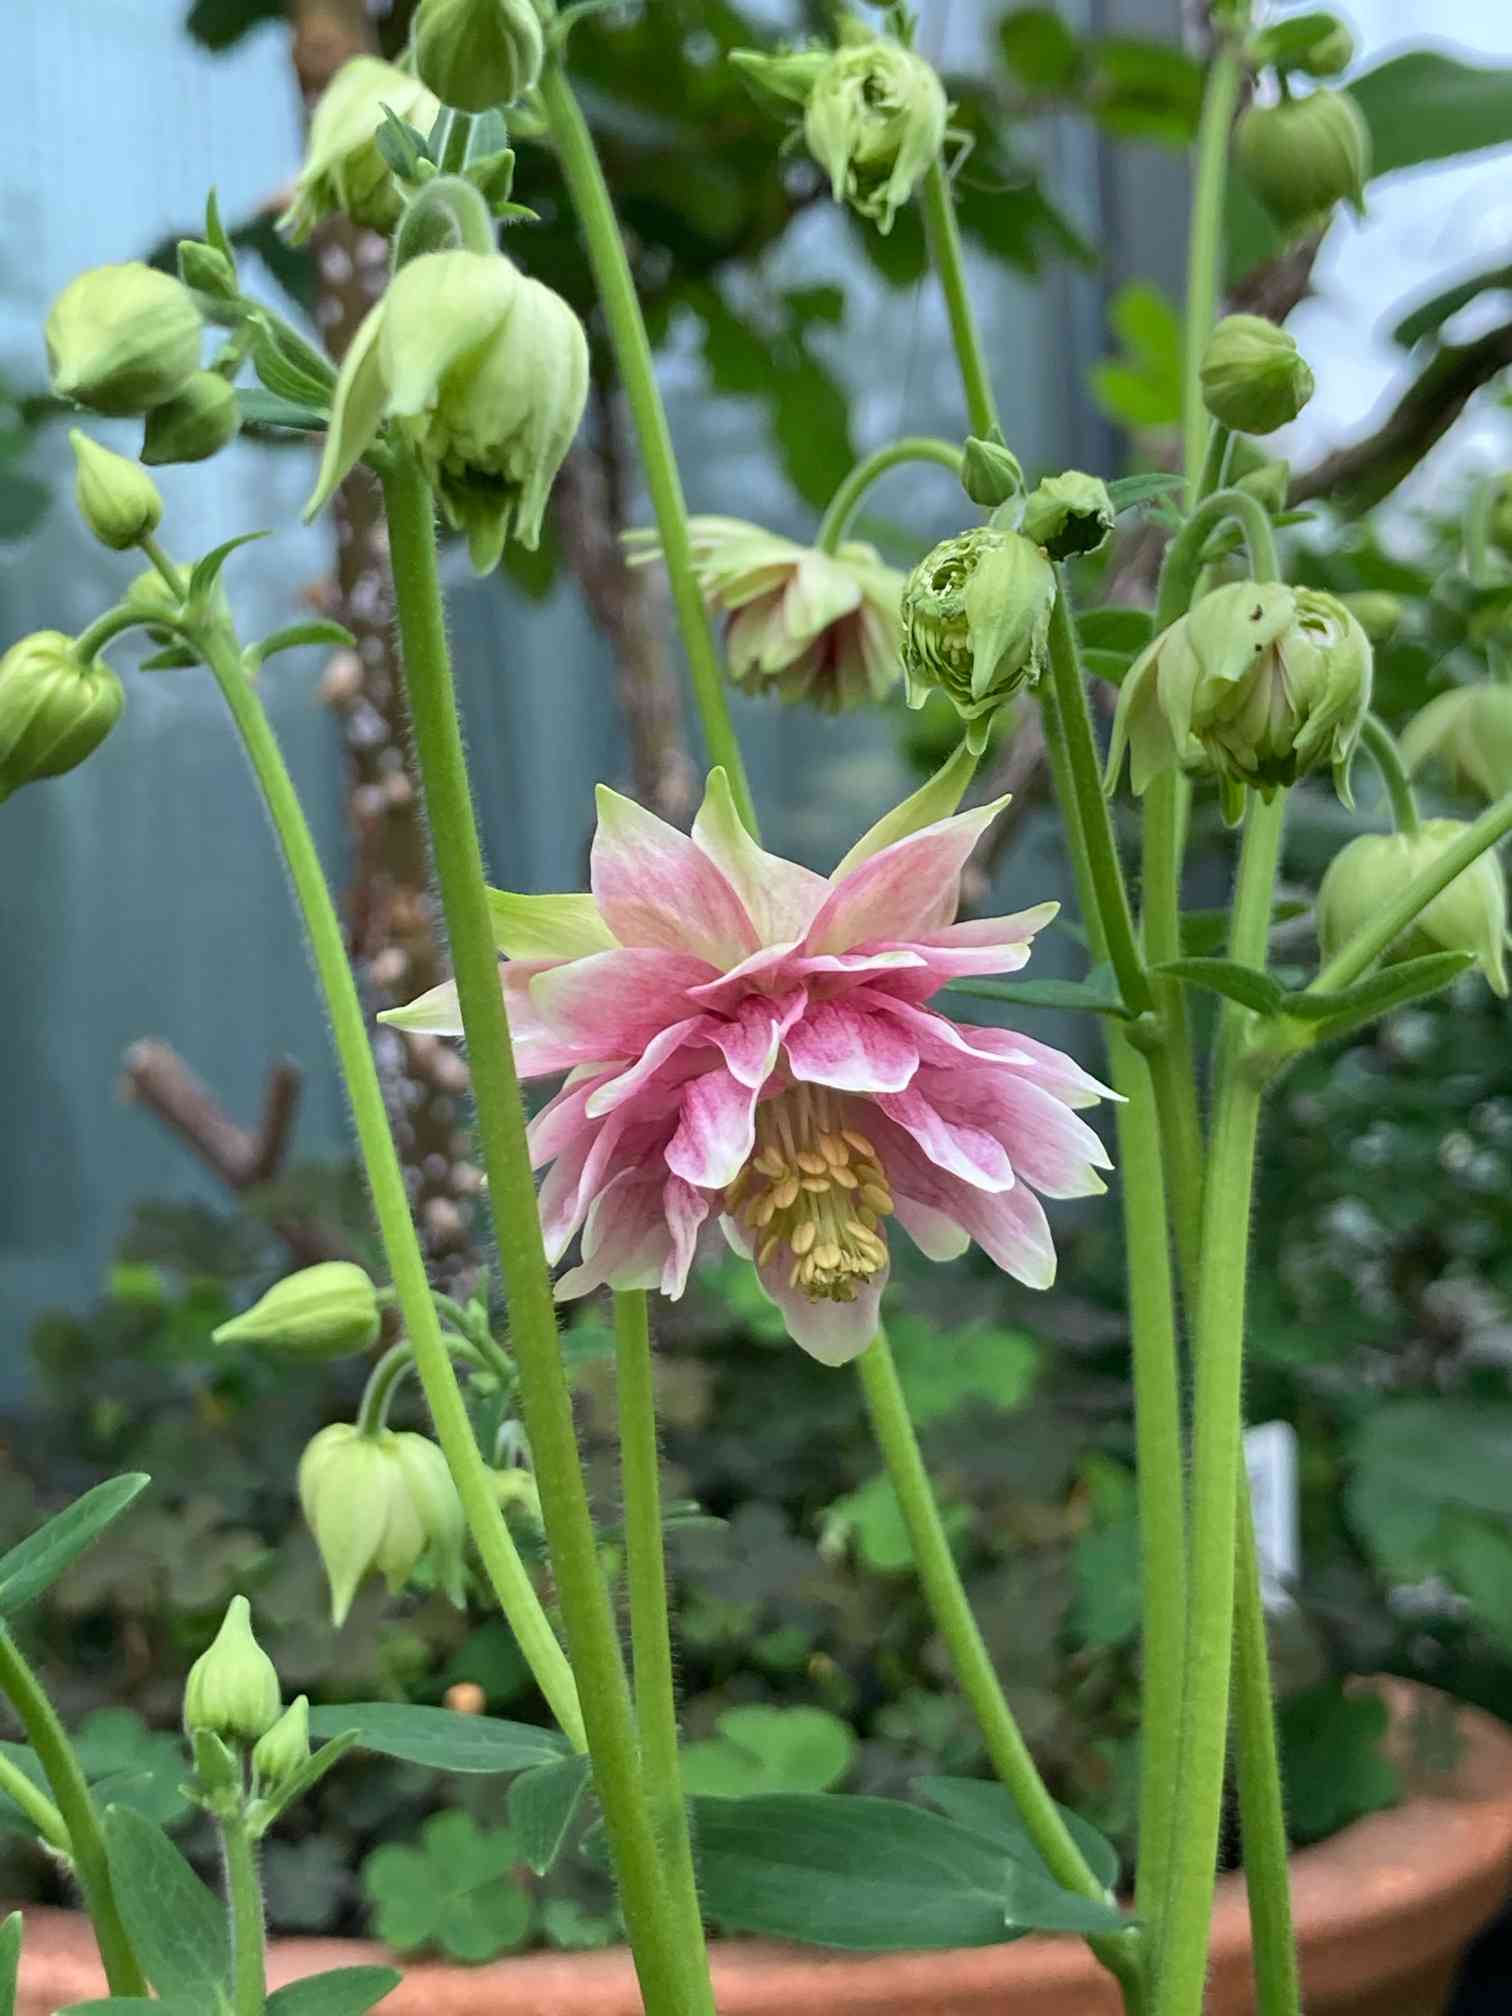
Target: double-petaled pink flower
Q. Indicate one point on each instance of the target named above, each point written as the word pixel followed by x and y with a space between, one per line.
pixel 749 1041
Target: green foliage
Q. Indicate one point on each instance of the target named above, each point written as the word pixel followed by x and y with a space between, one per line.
pixel 769 1750
pixel 984 1807
pixel 456 1891
pixel 439 1738
pixel 1333 1763
pixel 176 1926
pixel 10 1962
pixel 543 1803
pixel 1424 106
pixel 1142 386
pixel 346 1991
pixel 26 1571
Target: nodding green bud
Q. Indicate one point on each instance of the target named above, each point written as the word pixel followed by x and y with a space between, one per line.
pixel 232 1690
pixel 1254 378
pixel 1379 615
pixel 204 269
pixel 783 77
pixel 195 424
pixel 976 623
pixel 1258 683
pixel 122 339
pixel 1470 915
pixel 54 709
pixel 1319 45
pixel 117 500
pixel 344 170
pixel 377 1504
pixel 326 1311
pixel 475 54
pixel 1068 514
pixel 486 372
pixel 1468 731
pixel 991 474
pixel 1304 155
pixel 285 1749
pixel 874 121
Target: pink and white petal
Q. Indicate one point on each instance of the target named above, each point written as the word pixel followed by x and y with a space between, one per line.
pixel 960 1148
pixel 943 1042
pixel 1050 1148
pixel 619 1087
pixel 781 898
pixel 626 1240
pixel 772 970
pixel 547 927
pixel 716 1133
pixel 685 1210
pixel 1012 1230
pixel 843 1045
pixel 911 887
pixel 752 1039
pixel 655 888
pixel 832 1332
pixel 613 1003
pixel 1017 929
pixel 561 1119
pixel 937 1235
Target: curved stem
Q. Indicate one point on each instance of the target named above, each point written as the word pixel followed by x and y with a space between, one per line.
pixel 1084 770
pixel 76 1810
pixel 632 350
pixel 249 1984
pixel 911 448
pixel 1216 1464
pixel 1367 945
pixel 1205 244
pixel 949 260
pixel 1183 561
pixel 1387 757
pixel 666 1977
pixel 506 1572
pixel 104 629
pixel 646 1570
pixel 969 1656
pixel 372 1409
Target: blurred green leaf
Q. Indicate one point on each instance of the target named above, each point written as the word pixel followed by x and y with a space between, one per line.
pixel 1142 90
pixel 1096 995
pixel 1040 49
pixel 456 1890
pixel 762 1749
pixel 1142 387
pixel 345 1991
pixel 1424 106
pixel 988 1809
pixel 1333 1759
pixel 220 24
pixel 542 1805
pixel 26 1571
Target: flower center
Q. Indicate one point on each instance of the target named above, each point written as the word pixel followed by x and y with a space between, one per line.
pixel 815 1187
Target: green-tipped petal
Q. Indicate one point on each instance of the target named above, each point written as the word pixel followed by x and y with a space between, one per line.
pixel 356 412
pixel 781 898
pixel 547 927
pixel 932 802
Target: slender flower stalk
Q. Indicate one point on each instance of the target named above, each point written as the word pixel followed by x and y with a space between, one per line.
pixel 847 499
pixel 1381 746
pixel 249 1985
pixel 950 264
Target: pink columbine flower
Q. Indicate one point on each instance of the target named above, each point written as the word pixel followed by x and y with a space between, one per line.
pixel 747 1041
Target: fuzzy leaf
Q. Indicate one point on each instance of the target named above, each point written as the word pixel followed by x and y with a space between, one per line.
pixel 176 1926
pixel 1244 984
pixel 207 571
pixel 439 1738
pixel 1352 1007
pixel 1096 995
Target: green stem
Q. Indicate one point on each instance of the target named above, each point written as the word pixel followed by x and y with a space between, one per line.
pixel 104 629
pixel 661 1960
pixel 372 1409
pixel 249 1984
pixel 1183 561
pixel 1205 244
pixel 950 263
pixel 1262 1809
pixel 506 1572
pixel 911 448
pixel 37 1807
pixel 1216 1463
pixel 632 349
pixel 1084 771
pixel 951 1610
pixel 76 1812
pixel 171 574
pixel 1387 757
pixel 646 1570
pixel 1214 459
pixel 1368 943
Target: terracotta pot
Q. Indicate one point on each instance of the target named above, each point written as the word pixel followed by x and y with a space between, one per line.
pixel 1383 1912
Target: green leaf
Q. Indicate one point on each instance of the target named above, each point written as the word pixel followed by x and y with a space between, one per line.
pixel 215 230
pixel 1097 995
pixel 133 2005
pixel 763 1749
pixel 1039 48
pixel 128 1764
pixel 439 1738
pixel 1333 1759
pixel 1244 984
pixel 42 1557
pixel 290 368
pixel 1430 316
pixel 456 1890
pixel 1352 1007
pixel 1105 1565
pixel 1426 107
pixel 1127 491
pixel 1441 1452
pixel 267 409
pixel 267 1809
pixel 1111 628
pixel 988 1809
pixel 1142 387
pixel 10 1961
pixel 176 1926
pixel 871 1875
pixel 334 636
pixel 207 570
pixel 347 1991
pixel 985 1364
pixel 1145 90
pixel 542 1805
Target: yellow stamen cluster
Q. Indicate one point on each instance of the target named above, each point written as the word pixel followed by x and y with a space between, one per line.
pixel 815 1187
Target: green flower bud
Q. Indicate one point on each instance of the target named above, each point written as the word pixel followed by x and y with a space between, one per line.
pixel 976 623
pixel 344 170
pixel 326 1311
pixel 232 1690
pixel 377 1504
pixel 118 501
pixel 204 269
pixel 285 1749
pixel 874 121
pixel 1470 915
pixel 1319 45
pixel 122 339
pixel 1379 615
pixel 1304 155
pixel 991 474
pixel 1257 683
pixel 486 372
pixel 54 709
pixel 194 425
pixel 1254 378
pixel 1068 514
pixel 475 54
pixel 1469 731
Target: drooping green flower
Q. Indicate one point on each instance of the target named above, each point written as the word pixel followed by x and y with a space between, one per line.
pixel 475 54
pixel 976 623
pixel 1068 514
pixel 117 499
pixel 377 1504
pixel 874 121
pixel 1470 915
pixel 1469 731
pixel 344 171
pixel 1304 155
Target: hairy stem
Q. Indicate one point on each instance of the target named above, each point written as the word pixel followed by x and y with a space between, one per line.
pixel 1205 244
pixel 249 1985
pixel 950 263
